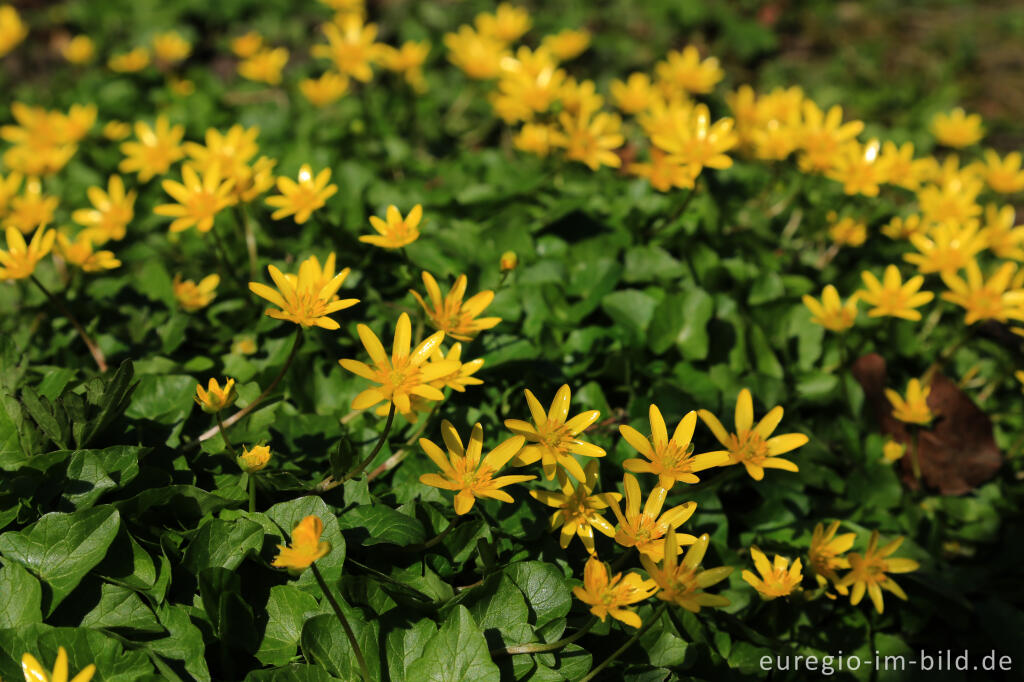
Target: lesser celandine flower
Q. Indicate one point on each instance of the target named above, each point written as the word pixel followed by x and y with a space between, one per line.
pixel 396 231
pixel 682 582
pixel 12 29
pixel 351 45
pixel 535 138
pixel 408 61
pixel 665 172
pixel 986 299
pixel 957 129
pixel 1002 237
pixel 247 45
pixel 904 228
pixel 567 44
pixel 857 167
pixel 778 578
pixel 752 445
pixel 308 297
pixel 633 95
pixel 170 47
pixel 154 149
pixel 111 212
pixel 825 554
pixel 893 451
pixel 831 313
pixel 478 56
pixel 20 259
pixel 508 23
pixel 9 185
pixel 191 296
pixel 696 141
pixel 610 596
pixel 450 314
pixel 460 377
pixel 80 253
pixel 847 231
pixel 78 50
pixel 590 138
pixel 892 297
pixel 914 408
pixel 868 572
pixel 323 90
pixel 684 70
pixel 199 199
pixel 306 546
pixel 265 66
pixel 35 672
pixel 256 459
pixel 116 130
pixel 553 438
pixel 946 248
pixel 402 375
pixel 215 397
pixel 670 459
pixel 579 509
pixel 953 202
pixel 301 198
pixel 645 528
pixel 463 470
pixel 31 207
pixel 129 62
pixel 1003 175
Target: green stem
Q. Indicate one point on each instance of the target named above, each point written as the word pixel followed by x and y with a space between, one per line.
pixel 296 344
pixel 636 635
pixel 403 452
pixel 914 462
pixel 437 539
pixel 94 350
pixel 222 256
pixel 535 648
pixel 252 494
pixel 242 217
pixel 364 671
pixel 380 443
pixel 224 435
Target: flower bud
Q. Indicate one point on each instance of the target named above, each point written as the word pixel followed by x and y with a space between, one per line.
pixel 214 398
pixel 509 261
pixel 253 460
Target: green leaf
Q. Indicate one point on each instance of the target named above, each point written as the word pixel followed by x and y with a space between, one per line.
pixel 544 587
pixel 21 597
pixel 404 646
pixel 165 399
pixel 229 611
pixel 186 503
pixel 457 652
pixel 631 309
pixel 91 473
pixel 120 607
pixel 384 525
pixel 287 610
pixel 287 515
pixel 296 672
pixel 498 604
pixel 324 642
pixel 62 548
pixel 681 320
pixel 223 544
pixel 185 642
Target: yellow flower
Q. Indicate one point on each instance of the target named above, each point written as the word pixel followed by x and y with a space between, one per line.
pixel 251 461
pixel 78 50
pixel 462 375
pixel 1019 375
pixel 171 47
pixel 956 129
pixel 351 45
pixel 914 409
pixel 478 56
pixel 535 138
pixel 590 140
pixel 450 314
pixel 904 228
pixel 507 24
pixel 231 152
pixel 43 141
pixel 402 375
pixel 111 212
pixel 831 313
pixel 825 554
pixel 645 529
pixel 953 200
pixel 397 231
pixel 308 297
pixel 579 510
pixel 900 167
pixel 566 44
pixel 323 90
pixel 244 345
pixel 408 61
pixel 116 130
pixel 609 596
pixel 191 296
pixel 778 579
pixel 8 188
pixel 634 94
pixel 129 62
pixel 946 248
pixel 823 135
pixel 199 199
pixel 306 546
pixel 181 86
pixel 31 208
pixel 684 70
pixel 892 297
pixel 300 199
pixel 553 438
pixel 19 260
pixel 265 66
pixel 12 29
pixel 464 471
pixel 508 261
pixel 858 168
pixel 680 581
pixel 530 83
pixel 665 172
pixel 80 253
pixel 1001 236
pixel 991 299
pixel 893 451
pixel 154 151
pixel 33 670
pixel 697 142
pixel 247 45
pixel 215 398
pixel 868 572
pixel 847 231
pixel 671 460
pixel 752 447
pixel 1004 176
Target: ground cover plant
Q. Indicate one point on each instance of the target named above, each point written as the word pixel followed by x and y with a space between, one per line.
pixel 463 341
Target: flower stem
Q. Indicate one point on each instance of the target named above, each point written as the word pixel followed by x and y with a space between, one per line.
pixel 252 494
pixel 380 443
pixel 94 350
pixel 222 256
pixel 210 433
pixel 914 461
pixel 224 435
pixel 636 635
pixel 403 452
pixel 364 671
pixel 250 239
pixel 536 648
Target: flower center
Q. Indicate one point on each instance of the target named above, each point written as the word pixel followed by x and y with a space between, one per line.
pixel 747 447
